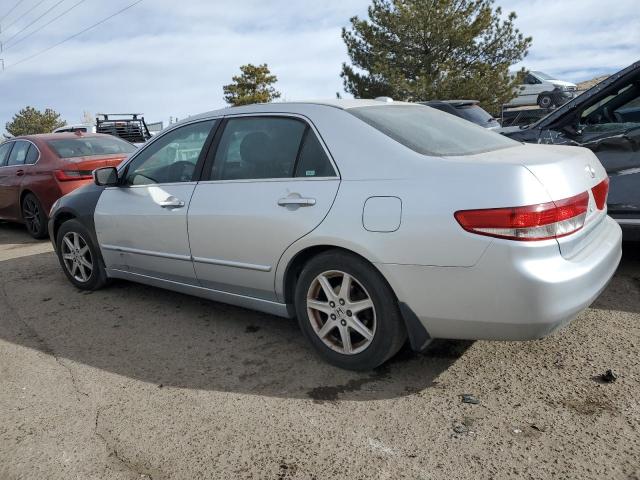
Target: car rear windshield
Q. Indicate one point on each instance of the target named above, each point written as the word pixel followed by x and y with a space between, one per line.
pixel 89 146
pixel 431 132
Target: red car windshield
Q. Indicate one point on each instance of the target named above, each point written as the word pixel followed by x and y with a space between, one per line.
pixel 90 146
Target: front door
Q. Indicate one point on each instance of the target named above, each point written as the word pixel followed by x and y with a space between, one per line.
pixel 141 225
pixel 271 183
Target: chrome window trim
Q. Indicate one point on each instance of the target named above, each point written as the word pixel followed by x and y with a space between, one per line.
pixel 14 140
pixel 300 117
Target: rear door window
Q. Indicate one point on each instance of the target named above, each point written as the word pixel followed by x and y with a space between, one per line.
pixel 258 148
pixel 5 148
pixel 32 155
pixel 18 153
pixel 313 161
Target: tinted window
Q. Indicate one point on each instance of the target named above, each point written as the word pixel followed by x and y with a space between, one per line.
pixel 19 153
pixel 431 132
pixel 90 146
pixel 258 147
pixel 171 158
pixel 5 148
pixel 313 161
pixel 477 115
pixel 32 155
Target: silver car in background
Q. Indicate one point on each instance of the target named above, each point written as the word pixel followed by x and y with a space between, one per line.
pixel 370 222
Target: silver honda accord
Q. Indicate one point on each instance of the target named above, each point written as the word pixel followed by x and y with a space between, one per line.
pixel 373 223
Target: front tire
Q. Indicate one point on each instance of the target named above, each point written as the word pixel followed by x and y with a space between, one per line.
pixel 79 257
pixel 348 312
pixel 545 101
pixel 34 216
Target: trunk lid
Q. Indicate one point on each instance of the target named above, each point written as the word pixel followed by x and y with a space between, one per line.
pixel 89 163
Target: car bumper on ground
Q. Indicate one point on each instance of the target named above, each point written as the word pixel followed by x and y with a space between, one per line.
pixel 516 291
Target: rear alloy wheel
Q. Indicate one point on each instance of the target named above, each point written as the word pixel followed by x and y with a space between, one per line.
pixel 348 312
pixel 79 257
pixel 34 217
pixel 341 312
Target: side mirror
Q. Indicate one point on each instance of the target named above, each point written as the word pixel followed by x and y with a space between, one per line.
pixel 106 177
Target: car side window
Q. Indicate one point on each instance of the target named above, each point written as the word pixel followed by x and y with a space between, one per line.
pixel 32 155
pixel 313 161
pixel 172 158
pixel 258 148
pixel 18 153
pixel 5 148
pixel 531 80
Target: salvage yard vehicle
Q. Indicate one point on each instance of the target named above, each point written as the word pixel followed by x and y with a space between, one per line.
pixel 36 170
pixel 371 222
pixel 467 109
pixel 544 90
pixel 605 119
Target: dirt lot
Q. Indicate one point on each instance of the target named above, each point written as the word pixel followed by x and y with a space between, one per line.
pixel 134 382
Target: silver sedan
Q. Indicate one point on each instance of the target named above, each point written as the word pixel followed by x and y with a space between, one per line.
pixel 373 223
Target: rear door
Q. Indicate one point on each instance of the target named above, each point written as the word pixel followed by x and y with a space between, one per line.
pixel 270 183
pixel 11 176
pixel 142 225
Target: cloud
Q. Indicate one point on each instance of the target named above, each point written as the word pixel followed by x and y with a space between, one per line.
pixel 168 58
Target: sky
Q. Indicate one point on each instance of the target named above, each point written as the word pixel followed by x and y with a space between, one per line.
pixel 168 58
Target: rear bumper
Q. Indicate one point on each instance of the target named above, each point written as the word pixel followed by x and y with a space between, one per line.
pixel 517 291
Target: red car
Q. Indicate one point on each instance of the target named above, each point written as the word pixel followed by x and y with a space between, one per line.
pixel 36 170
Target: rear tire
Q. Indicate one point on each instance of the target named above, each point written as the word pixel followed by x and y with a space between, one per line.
pixel 34 216
pixel 348 312
pixel 79 257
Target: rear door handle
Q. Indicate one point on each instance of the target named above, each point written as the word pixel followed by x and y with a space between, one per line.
pixel 20 173
pixel 301 202
pixel 171 202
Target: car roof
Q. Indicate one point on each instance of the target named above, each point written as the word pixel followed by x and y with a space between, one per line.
pixel 281 107
pixel 455 103
pixel 59 135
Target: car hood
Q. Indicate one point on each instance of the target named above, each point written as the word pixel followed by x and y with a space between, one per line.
pixel 600 89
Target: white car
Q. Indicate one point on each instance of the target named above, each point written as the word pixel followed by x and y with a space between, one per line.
pixel 543 90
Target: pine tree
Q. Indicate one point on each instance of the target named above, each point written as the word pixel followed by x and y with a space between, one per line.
pixel 254 85
pixel 417 50
pixel 29 121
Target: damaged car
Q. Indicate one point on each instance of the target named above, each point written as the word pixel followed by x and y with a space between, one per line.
pixel 606 120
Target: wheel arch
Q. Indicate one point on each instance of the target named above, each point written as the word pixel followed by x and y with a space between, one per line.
pixel 59 219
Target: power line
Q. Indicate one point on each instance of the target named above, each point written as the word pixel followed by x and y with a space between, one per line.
pixel 11 10
pixel 24 14
pixel 34 21
pixel 7 47
pixel 74 35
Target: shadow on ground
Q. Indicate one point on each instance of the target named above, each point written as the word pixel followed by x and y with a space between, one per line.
pixel 175 340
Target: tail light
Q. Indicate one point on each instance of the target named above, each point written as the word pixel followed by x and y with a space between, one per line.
pixel 71 175
pixel 600 193
pixel 533 222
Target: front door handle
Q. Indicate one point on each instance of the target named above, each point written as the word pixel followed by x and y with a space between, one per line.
pixel 171 202
pixel 20 173
pixel 299 201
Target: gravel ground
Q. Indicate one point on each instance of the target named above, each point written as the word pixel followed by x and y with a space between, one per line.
pixel 133 382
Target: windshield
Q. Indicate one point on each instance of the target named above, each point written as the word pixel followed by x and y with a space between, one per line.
pixel 431 132
pixel 90 146
pixel 543 76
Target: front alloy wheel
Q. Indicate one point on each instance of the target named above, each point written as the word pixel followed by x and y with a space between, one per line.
pixel 76 256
